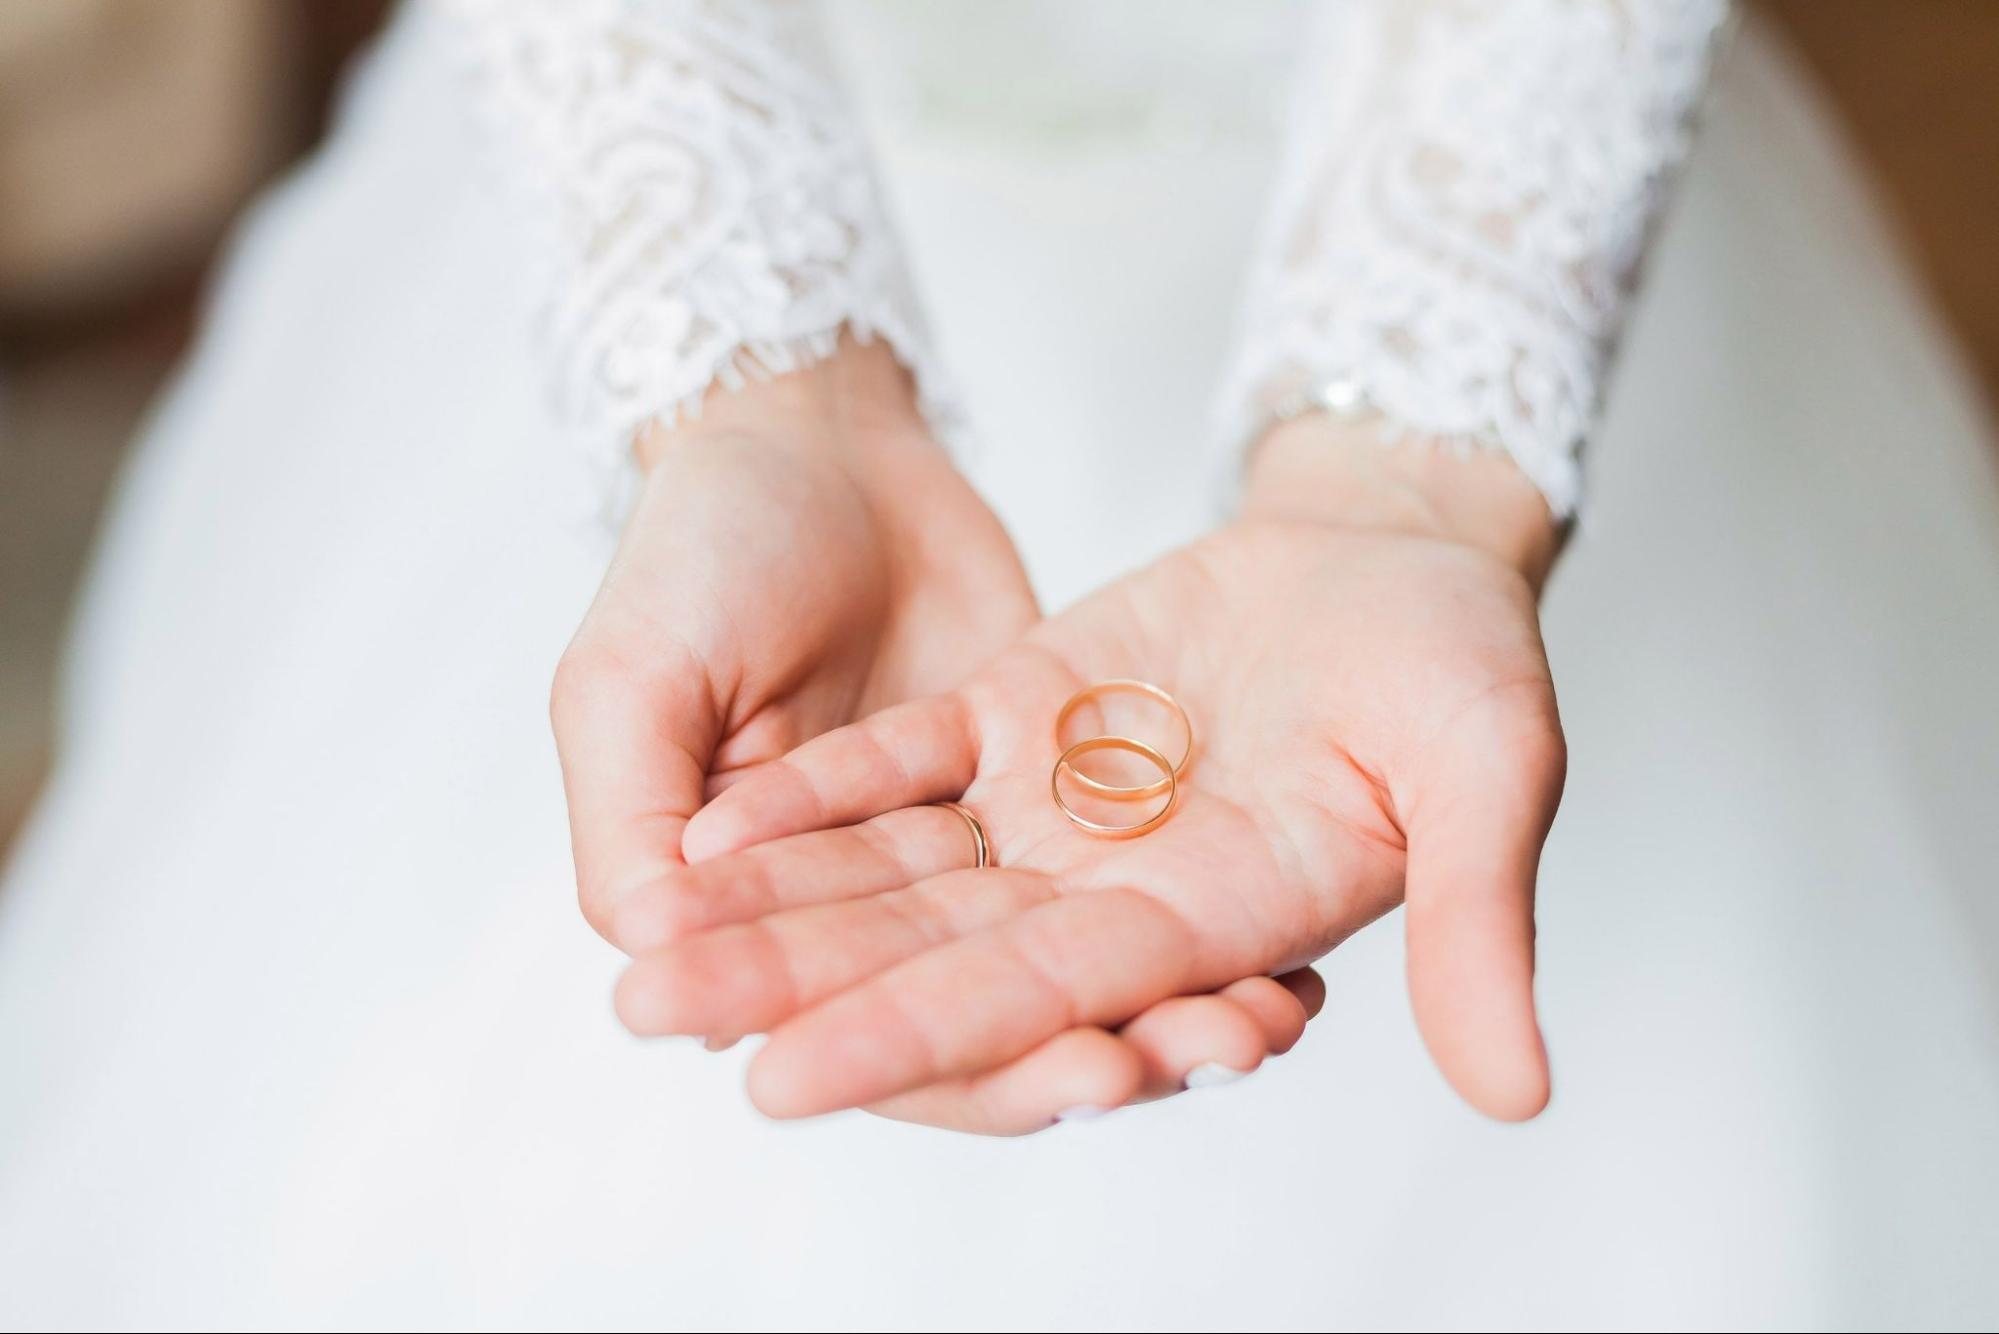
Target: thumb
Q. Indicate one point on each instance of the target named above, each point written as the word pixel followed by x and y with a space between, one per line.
pixel 1483 799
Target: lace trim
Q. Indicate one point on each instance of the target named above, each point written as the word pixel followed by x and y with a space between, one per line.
pixel 718 215
pixel 1458 227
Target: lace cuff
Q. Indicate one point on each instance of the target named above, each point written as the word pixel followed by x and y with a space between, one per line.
pixel 1461 214
pixel 717 212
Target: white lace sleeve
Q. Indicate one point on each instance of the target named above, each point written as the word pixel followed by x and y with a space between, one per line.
pixel 712 210
pixel 1464 203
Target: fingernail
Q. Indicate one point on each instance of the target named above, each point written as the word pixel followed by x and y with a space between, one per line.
pixel 1210 1073
pixel 720 1044
pixel 1088 1111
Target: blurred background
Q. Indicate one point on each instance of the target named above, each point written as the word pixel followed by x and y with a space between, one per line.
pixel 133 131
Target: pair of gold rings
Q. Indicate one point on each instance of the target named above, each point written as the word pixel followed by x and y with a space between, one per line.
pixel 1168 784
pixel 1171 771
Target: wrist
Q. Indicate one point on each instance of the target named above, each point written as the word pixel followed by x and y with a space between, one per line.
pixel 851 421
pixel 1318 468
pixel 856 405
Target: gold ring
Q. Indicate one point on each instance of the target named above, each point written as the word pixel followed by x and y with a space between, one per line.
pixel 1125 743
pixel 981 850
pixel 1111 790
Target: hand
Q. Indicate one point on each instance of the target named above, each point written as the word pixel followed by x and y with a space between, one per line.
pixel 1377 722
pixel 803 554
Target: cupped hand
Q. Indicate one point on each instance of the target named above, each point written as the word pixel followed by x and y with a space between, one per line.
pixel 804 554
pixel 1377 726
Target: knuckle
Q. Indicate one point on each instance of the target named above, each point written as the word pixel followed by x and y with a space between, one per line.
pixel 598 667
pixel 1518 725
pixel 1541 749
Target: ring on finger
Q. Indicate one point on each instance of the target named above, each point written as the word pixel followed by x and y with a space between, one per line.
pixel 981 847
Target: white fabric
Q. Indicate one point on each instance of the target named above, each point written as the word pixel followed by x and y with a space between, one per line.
pixel 710 203
pixel 299 1024
pixel 1452 243
pixel 1463 210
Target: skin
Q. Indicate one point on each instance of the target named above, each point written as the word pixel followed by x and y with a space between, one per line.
pixel 1361 654
pixel 802 556
pixel 1379 728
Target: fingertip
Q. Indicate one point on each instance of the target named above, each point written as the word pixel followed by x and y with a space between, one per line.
pixel 1240 1051
pixel 781 1089
pixel 643 1000
pixel 1276 1009
pixel 1308 986
pixel 1200 1037
pixel 1077 1075
pixel 650 917
pixel 1098 1070
pixel 715 830
pixel 1504 1076
pixel 1520 1094
pixel 1471 986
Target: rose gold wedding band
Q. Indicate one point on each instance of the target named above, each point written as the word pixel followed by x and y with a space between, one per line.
pixel 1124 743
pixel 1175 771
pixel 981 850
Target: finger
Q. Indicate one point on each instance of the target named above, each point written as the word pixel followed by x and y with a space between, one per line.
pixel 1280 1015
pixel 634 740
pixel 1196 1041
pixel 890 852
pixel 909 755
pixel 1093 958
pixel 749 977
pixel 1308 987
pixel 1073 1076
pixel 1476 825
pixel 1184 1042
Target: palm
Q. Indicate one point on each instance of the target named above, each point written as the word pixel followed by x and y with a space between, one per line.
pixel 1372 710
pixel 1317 667
pixel 763 594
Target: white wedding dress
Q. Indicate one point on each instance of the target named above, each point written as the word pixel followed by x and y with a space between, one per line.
pixel 299 1023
